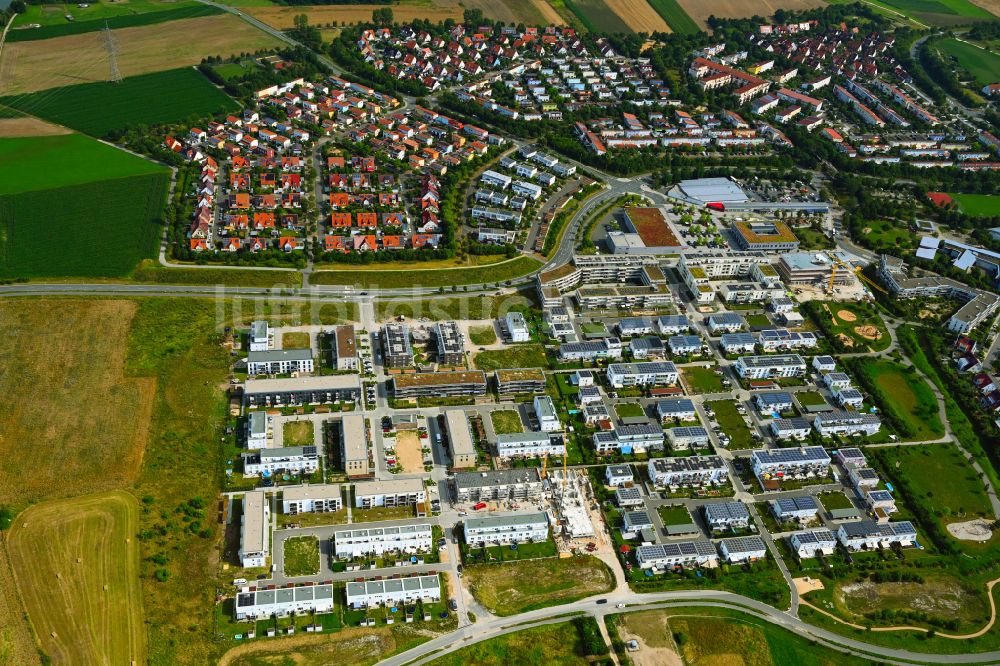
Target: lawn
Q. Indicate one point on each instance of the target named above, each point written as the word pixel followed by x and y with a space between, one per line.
pixel 732 423
pixel 835 500
pixel 517 587
pixel 46 162
pixel 757 321
pixel 482 335
pixel 301 556
pixel 100 229
pixel 298 433
pixel 456 307
pixel 810 398
pixel 52 17
pixel 628 410
pixel 553 644
pixel 295 340
pixel 853 327
pixel 939 12
pixel 904 397
pixel 677 514
pixel 430 278
pixel 506 422
pixel 888 234
pixel 83 552
pixel 152 272
pixel 700 379
pixel 147 99
pixel 675 16
pixel 978 205
pixel 516 356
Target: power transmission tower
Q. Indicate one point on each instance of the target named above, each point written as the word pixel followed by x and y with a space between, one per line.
pixel 114 75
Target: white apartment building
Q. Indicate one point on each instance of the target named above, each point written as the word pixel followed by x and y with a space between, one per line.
pixel 769 367
pixel 318 498
pixel 847 423
pixel 517 327
pixel 743 549
pixel 293 459
pixel 530 444
pixel 687 471
pixel 695 553
pixel 258 428
pixel 658 373
pixel 279 361
pixel 259 337
pixel 810 543
pixel 545 412
pixel 255 530
pixel 262 604
pixel 395 492
pixel 868 535
pixel 393 592
pixel 503 530
pixel 794 463
pixel 351 543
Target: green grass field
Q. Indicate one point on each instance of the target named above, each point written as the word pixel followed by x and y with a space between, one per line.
pixel 84 552
pixel 437 277
pixel 506 421
pixel 152 272
pixel 596 16
pixel 701 379
pixel 836 500
pixel 93 18
pixel 732 424
pixel 627 410
pixel 939 12
pixel 550 645
pixel 301 556
pixel 98 229
pixel 482 335
pixel 983 66
pixel 978 205
pixel 517 587
pixel 45 162
pixel 147 99
pixel 298 433
pixel 810 398
pixel 675 16
pixel 675 515
pixel 888 233
pixel 453 307
pixel 517 356
pixel 905 396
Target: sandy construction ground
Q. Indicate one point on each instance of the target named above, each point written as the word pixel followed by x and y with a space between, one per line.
pixel 971 530
pixel 807 584
pixel 700 10
pixel 651 631
pixel 27 126
pixel 408 452
pixel 62 61
pixel 638 15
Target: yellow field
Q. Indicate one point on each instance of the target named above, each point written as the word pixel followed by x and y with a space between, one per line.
pixel 638 15
pixel 700 10
pixel 76 563
pixel 529 12
pixel 73 423
pixel 16 644
pixel 61 61
pixel 282 17
pixel 28 126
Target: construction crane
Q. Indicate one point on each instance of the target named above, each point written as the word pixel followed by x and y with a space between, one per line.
pixel 545 462
pixel 564 468
pixel 856 270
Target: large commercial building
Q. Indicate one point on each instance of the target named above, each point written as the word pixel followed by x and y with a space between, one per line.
pixel 503 530
pixel 392 592
pixel 450 343
pixel 315 498
pixel 351 543
pixel 463 451
pixel 255 530
pixel 397 352
pixel 301 391
pixel 395 492
pixel 354 445
pixel 263 604
pixel 440 384
pixel 519 483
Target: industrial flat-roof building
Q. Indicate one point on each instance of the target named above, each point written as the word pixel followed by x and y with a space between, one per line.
pixel 440 384
pixel 463 451
pixel 350 543
pixel 301 391
pixel 262 604
pixel 519 483
pixel 397 352
pixel 255 530
pixel 503 530
pixel 394 591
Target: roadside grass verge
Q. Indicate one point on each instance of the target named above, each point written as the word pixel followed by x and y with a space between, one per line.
pixel 430 278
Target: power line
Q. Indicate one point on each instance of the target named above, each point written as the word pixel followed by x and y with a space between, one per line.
pixel 114 75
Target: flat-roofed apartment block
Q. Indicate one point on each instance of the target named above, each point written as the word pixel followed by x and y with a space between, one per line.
pixel 312 498
pixel 635 438
pixel 769 367
pixel 293 459
pixel 395 492
pixel 397 352
pixel 345 346
pixel 517 327
pixel 697 553
pixel 301 391
pixel 656 373
pixel 795 463
pixel 463 451
pixel 393 592
pixel 811 268
pixel 523 483
pixel 530 444
pixel 255 529
pixel 775 339
pixel 359 542
pixel 440 384
pixel 687 471
pixel 520 380
pixel 259 338
pixel 279 361
pixel 354 445
pixel 766 236
pixel 847 423
pixel 450 343
pixel 503 530
pixel 262 604
pixel 257 430
pixel 607 269
pixel 545 412
pixel 726 515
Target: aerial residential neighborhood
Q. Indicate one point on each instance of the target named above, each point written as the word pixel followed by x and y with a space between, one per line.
pixel 500 333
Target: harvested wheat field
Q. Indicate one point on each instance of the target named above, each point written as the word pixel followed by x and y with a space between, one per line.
pixel 16 644
pixel 638 15
pixel 76 563
pixel 73 422
pixel 12 128
pixel 529 12
pixel 700 11
pixel 62 61
pixel 283 17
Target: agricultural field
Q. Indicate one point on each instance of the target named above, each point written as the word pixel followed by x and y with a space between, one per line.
pixel 148 99
pixel 518 356
pixel 99 229
pixel 390 278
pixel 978 205
pixel 983 66
pixel 675 16
pixel 283 17
pixel 506 422
pixel 699 11
pixel 549 645
pixel 36 65
pixel 17 645
pixel 597 16
pixel 637 15
pixel 512 588
pixel 72 354
pixel 53 22
pixel 19 127
pixel 82 552
pixel 48 162
pixel 904 396
pixel 939 12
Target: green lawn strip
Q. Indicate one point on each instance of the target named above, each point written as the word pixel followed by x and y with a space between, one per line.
pixel 675 16
pixel 677 514
pixel 904 397
pixel 436 277
pixel 45 162
pixel 506 421
pixel 147 99
pixel 191 10
pixel 810 398
pixel 626 410
pixel 556 644
pixel 835 500
pixel 978 205
pixel 517 587
pixel 702 380
pixel 482 335
pixel 761 580
pixel 232 277
pixel 516 356
pixel 732 424
pixel 758 320
pixel 453 307
pixel 301 556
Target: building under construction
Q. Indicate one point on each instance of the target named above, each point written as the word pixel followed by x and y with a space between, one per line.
pixel 571 494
